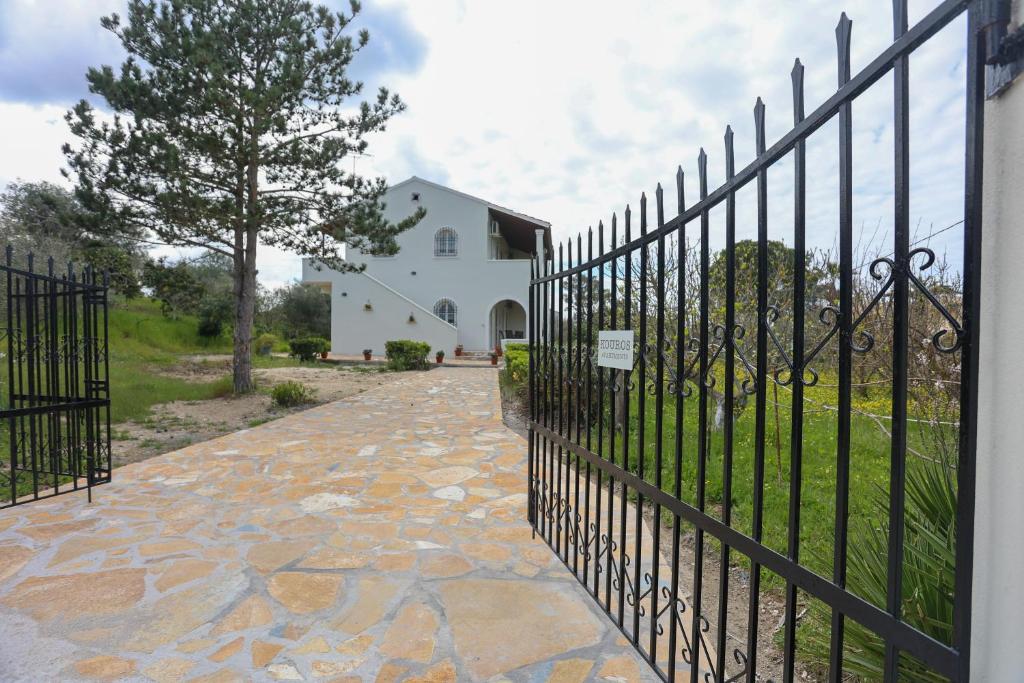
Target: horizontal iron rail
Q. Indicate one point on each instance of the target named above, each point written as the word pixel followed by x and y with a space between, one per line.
pixel 54 407
pixel 69 487
pixel 55 279
pixel 931 24
pixel 905 637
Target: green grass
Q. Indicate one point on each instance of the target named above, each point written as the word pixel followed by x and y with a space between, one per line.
pixel 141 342
pixel 869 464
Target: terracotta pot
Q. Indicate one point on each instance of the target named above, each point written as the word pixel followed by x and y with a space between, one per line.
pixel 494 359
pixel 323 354
pixel 366 356
pixel 458 350
pixel 497 350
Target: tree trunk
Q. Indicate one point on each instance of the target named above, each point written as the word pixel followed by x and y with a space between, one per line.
pixel 245 280
pixel 245 311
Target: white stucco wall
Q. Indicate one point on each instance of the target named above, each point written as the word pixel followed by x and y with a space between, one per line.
pixel 998 595
pixel 471 279
pixel 353 328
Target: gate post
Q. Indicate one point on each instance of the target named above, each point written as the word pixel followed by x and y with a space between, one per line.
pixel 998 592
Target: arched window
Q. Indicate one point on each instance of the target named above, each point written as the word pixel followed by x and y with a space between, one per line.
pixel 446 311
pixel 446 242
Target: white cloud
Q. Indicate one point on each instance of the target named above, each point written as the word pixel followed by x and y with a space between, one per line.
pixel 568 110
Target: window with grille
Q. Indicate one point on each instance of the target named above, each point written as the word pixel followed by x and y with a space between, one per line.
pixel 446 242
pixel 446 311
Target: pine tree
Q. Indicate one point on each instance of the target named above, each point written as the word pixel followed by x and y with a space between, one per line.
pixel 231 120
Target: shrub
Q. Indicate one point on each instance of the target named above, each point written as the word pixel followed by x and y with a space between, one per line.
pixel 406 354
pixel 308 348
pixel 214 313
pixel 929 569
pixel 516 375
pixel 264 344
pixel 290 394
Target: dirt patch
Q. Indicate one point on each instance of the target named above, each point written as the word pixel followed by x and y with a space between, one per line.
pixel 175 425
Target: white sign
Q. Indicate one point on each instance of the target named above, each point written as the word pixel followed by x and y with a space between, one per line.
pixel 615 349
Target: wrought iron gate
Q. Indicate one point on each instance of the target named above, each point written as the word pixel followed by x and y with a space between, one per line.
pixel 57 410
pixel 622 489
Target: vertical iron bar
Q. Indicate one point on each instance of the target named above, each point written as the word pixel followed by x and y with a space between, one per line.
pixel 627 377
pixel 678 397
pixel 845 339
pixel 576 408
pixel 532 401
pixel 659 406
pixel 901 313
pixel 641 427
pixel 728 396
pixel 11 350
pixel 31 345
pixel 560 387
pixel 565 321
pixel 761 387
pixel 968 437
pixel 613 399
pixel 565 338
pixel 589 408
pixel 541 391
pixel 20 313
pixel 89 328
pixel 797 409
pixel 548 455
pixel 702 420
pixel 52 377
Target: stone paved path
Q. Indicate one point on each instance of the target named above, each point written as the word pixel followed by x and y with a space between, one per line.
pixel 380 538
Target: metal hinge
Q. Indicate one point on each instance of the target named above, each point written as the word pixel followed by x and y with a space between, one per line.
pixel 1004 51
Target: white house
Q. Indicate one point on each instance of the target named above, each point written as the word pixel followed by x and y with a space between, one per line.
pixel 461 275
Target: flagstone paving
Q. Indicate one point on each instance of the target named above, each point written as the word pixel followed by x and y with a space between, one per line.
pixel 379 538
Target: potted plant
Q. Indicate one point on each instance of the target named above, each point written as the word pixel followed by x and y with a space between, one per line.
pixel 458 350
pixel 367 353
pixel 439 357
pixel 494 357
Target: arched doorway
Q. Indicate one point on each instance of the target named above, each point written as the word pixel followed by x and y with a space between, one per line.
pixel 507 321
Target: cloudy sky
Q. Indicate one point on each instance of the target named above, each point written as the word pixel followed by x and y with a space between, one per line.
pixel 568 110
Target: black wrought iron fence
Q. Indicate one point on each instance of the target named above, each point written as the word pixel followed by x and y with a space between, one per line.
pixel 55 420
pixel 633 475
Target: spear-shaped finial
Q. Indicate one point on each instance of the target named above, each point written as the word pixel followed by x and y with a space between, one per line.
pixel 702 172
pixel 680 200
pixel 659 202
pixel 843 46
pixel 643 213
pixel 627 216
pixel 9 251
pixel 798 90
pixel 730 166
pixel 759 126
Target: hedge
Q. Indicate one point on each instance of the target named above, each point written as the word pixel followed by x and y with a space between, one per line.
pixel 308 348
pixel 406 354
